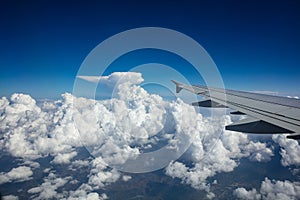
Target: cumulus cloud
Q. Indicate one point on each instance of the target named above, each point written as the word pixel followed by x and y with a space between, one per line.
pixel 289 150
pixel 32 164
pixel 280 189
pixel 218 152
pixel 18 174
pixel 79 164
pixel 64 158
pixel 84 192
pixel 101 175
pixel 48 189
pixel 259 151
pixel 271 189
pixel 242 193
pixel 10 197
pixel 117 130
pixel 126 178
pixel 32 131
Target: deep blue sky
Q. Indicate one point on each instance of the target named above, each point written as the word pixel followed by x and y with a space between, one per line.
pixel 255 44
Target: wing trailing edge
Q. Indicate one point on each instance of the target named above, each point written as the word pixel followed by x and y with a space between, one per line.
pixel 252 125
pixel 208 104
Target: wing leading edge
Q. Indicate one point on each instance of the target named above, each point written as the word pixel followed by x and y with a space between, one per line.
pixel 267 114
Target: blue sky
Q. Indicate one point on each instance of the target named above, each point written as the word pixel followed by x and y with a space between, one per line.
pixel 255 44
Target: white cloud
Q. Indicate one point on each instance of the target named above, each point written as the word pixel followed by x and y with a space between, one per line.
pixel 100 175
pixel 32 164
pixel 280 189
pixel 271 189
pixel 18 174
pixel 47 190
pixel 126 178
pixel 176 169
pixel 10 197
pixel 111 129
pixel 115 78
pixel 210 195
pixel 214 153
pixel 64 158
pixel 84 192
pixel 242 193
pixel 79 163
pixel 30 132
pixel 293 97
pixel 266 92
pixel 259 151
pixel 289 150
pixel 47 170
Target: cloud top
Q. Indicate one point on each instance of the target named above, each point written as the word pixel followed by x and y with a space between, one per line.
pixel 115 78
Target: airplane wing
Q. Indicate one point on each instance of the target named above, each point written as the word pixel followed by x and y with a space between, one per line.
pixel 267 114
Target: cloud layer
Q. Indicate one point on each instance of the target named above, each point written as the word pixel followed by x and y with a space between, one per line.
pixel 118 130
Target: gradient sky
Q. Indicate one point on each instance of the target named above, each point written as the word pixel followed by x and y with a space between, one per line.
pixel 255 44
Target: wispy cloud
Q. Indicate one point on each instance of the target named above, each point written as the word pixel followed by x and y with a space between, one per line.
pixel 266 92
pixel 93 79
pixel 115 78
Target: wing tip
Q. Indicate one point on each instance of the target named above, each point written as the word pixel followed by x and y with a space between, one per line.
pixel 178 86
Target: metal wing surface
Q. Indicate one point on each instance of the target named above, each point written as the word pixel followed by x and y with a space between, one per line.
pixel 267 114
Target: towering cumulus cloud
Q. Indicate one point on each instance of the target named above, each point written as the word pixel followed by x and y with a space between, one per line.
pixel 114 131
